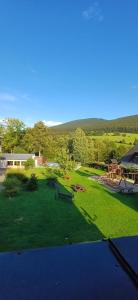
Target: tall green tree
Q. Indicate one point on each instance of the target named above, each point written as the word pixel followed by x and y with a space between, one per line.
pixel 64 160
pixel 90 150
pixel 80 146
pixel 1 136
pixel 13 135
pixel 35 138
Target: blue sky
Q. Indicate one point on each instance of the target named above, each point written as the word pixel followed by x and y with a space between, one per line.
pixel 64 59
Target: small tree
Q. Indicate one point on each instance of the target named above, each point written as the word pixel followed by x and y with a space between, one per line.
pixel 12 186
pixel 32 184
pixel 80 146
pixel 29 164
pixel 65 162
pixel 18 175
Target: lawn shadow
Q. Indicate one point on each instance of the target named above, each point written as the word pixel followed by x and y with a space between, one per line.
pixel 75 225
pixel 41 219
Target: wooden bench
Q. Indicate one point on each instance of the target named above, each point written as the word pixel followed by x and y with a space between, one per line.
pixel 64 196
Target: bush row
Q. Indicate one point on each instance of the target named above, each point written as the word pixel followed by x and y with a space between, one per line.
pixel 98 165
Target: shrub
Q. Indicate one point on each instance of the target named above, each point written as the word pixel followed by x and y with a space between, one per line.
pixel 20 176
pixel 58 173
pixel 29 164
pixel 135 141
pixel 52 180
pixel 12 186
pixel 98 165
pixel 32 184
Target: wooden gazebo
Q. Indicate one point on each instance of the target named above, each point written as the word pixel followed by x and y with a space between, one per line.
pixel 114 169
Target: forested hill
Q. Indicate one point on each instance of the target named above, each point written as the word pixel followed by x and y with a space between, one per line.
pixel 125 124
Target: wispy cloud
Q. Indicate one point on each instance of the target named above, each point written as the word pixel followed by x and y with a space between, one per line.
pixel 93 12
pixel 51 123
pixel 7 97
pixel 25 97
pixel 11 97
pixel 32 70
pixel 134 87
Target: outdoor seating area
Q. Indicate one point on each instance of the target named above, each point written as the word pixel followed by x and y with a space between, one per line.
pixel 69 196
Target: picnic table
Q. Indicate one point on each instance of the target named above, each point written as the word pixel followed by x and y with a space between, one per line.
pixel 78 188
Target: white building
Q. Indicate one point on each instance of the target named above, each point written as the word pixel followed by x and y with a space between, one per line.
pixel 13 160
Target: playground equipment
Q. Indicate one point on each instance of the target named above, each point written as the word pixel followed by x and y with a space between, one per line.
pixel 116 175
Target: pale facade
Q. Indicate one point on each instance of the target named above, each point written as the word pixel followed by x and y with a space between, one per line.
pixel 15 161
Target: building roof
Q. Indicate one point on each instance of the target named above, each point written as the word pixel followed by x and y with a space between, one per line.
pixel 15 156
pixel 128 158
pixel 85 271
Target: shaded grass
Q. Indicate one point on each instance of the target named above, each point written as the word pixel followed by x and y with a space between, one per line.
pixel 37 219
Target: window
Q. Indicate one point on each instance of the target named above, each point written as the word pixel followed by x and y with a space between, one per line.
pixel 9 163
pixel 22 163
pixel 136 159
pixel 17 163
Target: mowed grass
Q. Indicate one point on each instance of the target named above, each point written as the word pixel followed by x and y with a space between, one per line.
pixel 37 219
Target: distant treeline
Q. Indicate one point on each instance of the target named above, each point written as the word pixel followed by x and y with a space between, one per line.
pixel 66 149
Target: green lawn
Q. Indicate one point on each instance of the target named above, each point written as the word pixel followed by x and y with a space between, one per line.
pixel 37 219
pixel 128 139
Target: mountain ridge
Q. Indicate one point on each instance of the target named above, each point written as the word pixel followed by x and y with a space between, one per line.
pixel 121 124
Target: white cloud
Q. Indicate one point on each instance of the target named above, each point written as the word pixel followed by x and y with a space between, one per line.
pixel 51 123
pixel 3 122
pixel 7 97
pixel 93 12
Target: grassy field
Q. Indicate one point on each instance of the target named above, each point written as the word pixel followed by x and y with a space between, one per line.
pixel 127 138
pixel 37 219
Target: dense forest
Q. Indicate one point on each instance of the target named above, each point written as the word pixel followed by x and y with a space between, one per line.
pixel 125 124
pixel 66 148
